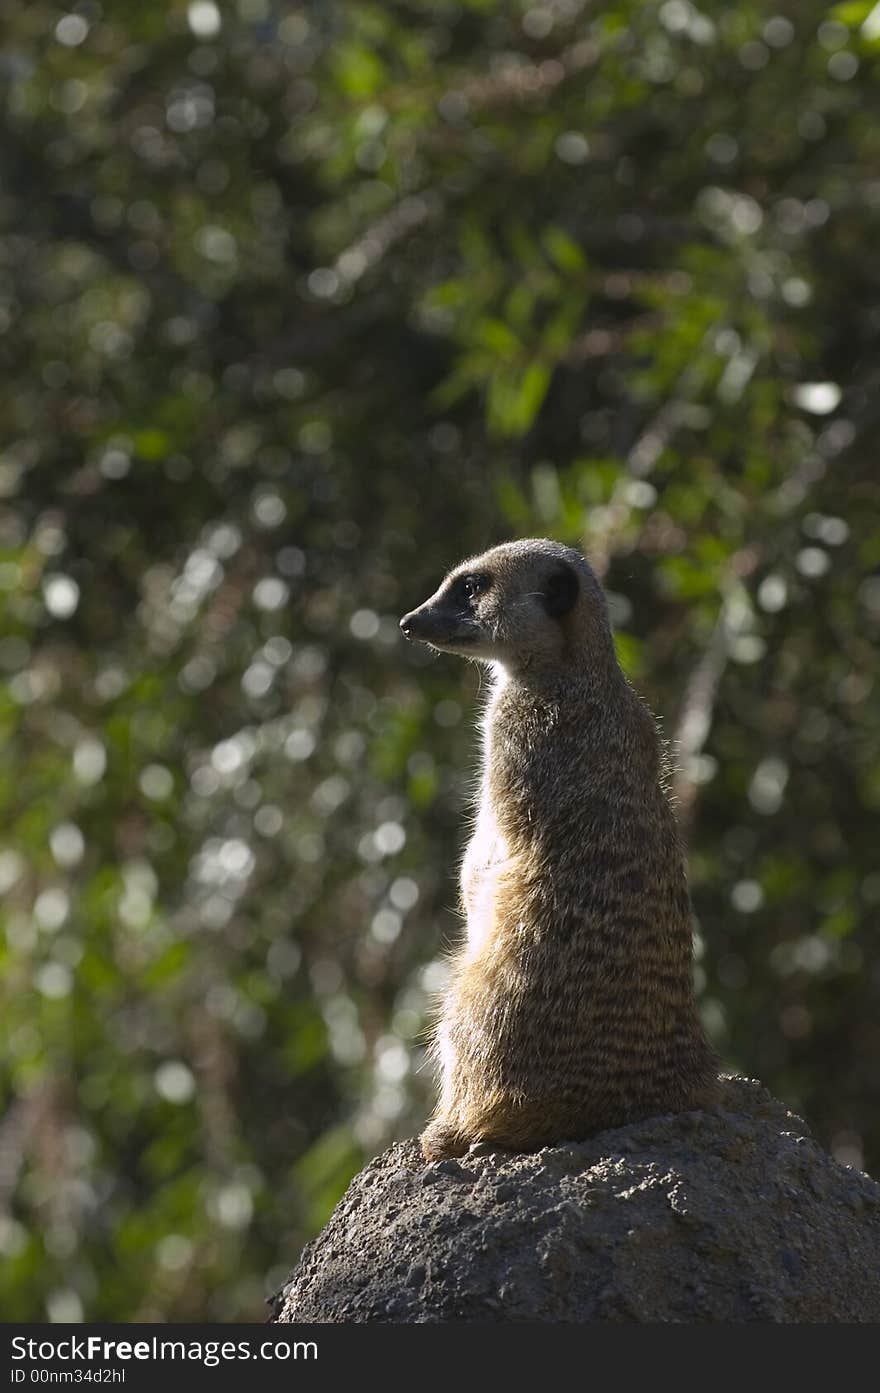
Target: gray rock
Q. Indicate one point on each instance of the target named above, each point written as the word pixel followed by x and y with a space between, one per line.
pixel 731 1216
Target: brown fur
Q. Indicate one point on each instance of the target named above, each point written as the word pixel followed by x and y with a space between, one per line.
pixel 571 1004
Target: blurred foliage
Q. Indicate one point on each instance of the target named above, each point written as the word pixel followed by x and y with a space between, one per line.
pixel 301 303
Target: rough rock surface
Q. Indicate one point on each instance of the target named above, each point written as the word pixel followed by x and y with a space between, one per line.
pixel 735 1216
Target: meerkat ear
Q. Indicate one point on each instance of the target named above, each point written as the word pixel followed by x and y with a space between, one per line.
pixel 561 591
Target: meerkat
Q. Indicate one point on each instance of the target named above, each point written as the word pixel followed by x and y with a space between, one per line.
pixel 571 1004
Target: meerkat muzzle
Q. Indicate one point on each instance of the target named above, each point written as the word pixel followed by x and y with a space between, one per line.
pixel 432 626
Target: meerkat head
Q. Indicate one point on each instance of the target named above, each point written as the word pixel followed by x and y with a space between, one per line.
pixel 527 605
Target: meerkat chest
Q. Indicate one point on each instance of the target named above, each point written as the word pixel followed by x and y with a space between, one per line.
pixel 486 860
pixel 496 845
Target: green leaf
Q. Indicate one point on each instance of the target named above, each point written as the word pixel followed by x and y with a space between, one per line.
pixel 563 250
pixel 497 336
pixel 516 398
pixel 563 326
pixel 359 72
pixel 852 12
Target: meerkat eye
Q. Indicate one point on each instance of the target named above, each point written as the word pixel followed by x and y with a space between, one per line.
pixel 472 586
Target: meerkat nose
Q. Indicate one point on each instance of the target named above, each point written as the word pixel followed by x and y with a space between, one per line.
pixel 407 625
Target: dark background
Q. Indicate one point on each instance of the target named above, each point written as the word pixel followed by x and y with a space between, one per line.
pixel 301 304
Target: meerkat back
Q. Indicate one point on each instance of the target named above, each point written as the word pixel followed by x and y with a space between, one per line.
pixel 571 1005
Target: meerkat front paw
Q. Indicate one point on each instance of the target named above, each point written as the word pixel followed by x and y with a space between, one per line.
pixel 441 1140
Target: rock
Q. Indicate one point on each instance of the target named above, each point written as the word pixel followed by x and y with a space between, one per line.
pixel 731 1216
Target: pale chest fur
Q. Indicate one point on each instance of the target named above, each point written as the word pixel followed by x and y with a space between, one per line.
pixel 486 859
pixel 487 856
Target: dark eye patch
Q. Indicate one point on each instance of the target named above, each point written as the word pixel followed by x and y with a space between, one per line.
pixel 467 588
